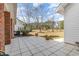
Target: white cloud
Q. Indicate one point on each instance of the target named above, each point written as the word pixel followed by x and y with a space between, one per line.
pixel 60 19
pixel 53 5
pixel 48 13
pixel 22 8
pixel 50 16
pixel 20 11
pixel 57 14
pixel 36 4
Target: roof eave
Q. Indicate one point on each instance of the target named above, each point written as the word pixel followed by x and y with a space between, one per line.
pixel 61 7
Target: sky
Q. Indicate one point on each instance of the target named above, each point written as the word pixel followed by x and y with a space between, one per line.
pixel 45 10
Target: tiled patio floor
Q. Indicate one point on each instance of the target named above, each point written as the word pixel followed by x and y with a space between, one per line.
pixel 38 46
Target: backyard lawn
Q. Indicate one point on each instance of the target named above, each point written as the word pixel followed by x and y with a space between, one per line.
pixel 52 34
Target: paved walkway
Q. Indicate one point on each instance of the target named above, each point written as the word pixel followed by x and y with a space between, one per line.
pixel 38 46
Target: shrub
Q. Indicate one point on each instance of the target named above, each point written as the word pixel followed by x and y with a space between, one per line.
pixel 47 37
pixel 36 34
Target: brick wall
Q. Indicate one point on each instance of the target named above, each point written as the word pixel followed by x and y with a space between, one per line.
pixel 7 27
pixel 2 36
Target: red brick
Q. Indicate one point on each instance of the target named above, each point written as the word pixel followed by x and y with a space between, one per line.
pixel 7 27
pixel 2 36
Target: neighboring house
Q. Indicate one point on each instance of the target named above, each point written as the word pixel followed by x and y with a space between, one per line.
pixel 71 22
pixel 19 25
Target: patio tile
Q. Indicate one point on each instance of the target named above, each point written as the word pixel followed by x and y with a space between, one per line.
pixel 39 54
pixel 37 46
pixel 7 52
pixel 14 49
pixel 28 44
pixel 60 45
pixel 75 51
pixel 15 52
pixel 52 54
pixel 35 51
pixel 26 53
pixel 57 47
pixel 52 49
pixel 32 47
pixel 60 53
pixel 47 46
pixel 73 54
pixel 22 46
pixel 7 49
pixel 21 43
pixel 24 50
pixel 46 52
pixel 69 46
pixel 41 48
pixel 66 51
pixel 18 54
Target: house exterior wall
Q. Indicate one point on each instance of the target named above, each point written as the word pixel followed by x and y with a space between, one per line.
pixel 12 8
pixel 71 23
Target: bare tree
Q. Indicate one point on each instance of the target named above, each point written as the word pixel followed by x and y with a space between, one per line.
pixel 36 16
pixel 28 13
pixel 42 14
